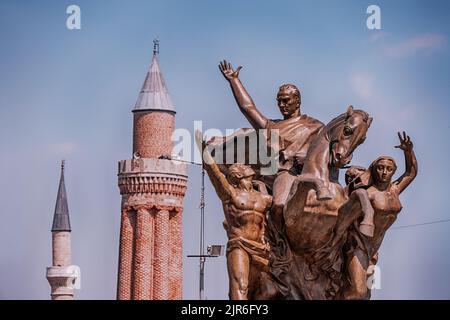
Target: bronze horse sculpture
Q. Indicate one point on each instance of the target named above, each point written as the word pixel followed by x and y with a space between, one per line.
pixel 316 194
pixel 311 211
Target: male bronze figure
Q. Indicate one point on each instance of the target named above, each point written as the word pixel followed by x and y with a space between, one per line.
pixel 295 131
pixel 245 211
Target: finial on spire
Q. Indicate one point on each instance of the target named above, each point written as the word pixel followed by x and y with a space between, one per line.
pixel 154 94
pixel 156 46
pixel 63 163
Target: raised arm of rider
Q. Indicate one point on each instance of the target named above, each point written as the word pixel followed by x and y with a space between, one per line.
pixel 243 99
pixel 246 105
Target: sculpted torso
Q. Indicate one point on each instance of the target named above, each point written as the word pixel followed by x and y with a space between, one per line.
pixel 386 205
pixel 244 213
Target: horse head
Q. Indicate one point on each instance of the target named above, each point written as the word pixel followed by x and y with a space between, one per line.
pixel 345 133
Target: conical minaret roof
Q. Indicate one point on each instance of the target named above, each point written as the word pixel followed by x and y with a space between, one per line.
pixel 61 221
pixel 154 94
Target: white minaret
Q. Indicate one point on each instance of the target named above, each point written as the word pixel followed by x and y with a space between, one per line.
pixel 62 275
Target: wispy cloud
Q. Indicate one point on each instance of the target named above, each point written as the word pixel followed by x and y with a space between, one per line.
pixel 378 36
pixel 424 43
pixel 63 148
pixel 362 85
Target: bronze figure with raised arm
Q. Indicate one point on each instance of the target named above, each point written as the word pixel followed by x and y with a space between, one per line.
pixel 385 201
pixel 245 219
pixel 295 131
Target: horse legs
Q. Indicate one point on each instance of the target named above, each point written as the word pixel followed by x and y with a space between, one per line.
pixel 315 169
pixel 356 206
pixel 323 192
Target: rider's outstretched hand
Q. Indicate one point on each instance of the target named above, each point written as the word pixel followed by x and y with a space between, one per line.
pixel 228 71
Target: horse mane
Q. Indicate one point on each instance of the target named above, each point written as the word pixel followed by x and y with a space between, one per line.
pixel 343 117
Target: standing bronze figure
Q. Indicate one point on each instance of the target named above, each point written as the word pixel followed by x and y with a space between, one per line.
pixel 384 199
pixel 245 219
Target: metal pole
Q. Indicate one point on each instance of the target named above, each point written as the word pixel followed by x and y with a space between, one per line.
pixel 202 238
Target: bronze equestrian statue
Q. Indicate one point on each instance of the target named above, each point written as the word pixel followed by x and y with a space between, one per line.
pixel 322 237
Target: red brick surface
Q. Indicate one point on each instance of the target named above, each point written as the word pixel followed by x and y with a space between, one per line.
pixel 151 243
pixel 176 257
pixel 161 290
pixel 143 267
pixel 152 133
pixel 126 255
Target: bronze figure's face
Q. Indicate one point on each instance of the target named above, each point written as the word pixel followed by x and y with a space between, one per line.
pixel 383 170
pixel 346 133
pixel 246 183
pixel 241 176
pixel 289 100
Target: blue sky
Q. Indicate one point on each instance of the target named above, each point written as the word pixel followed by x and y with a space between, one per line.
pixel 69 94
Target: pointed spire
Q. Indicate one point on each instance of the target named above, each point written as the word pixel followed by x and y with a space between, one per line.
pixel 61 221
pixel 154 94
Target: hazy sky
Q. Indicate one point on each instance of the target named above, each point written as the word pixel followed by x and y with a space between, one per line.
pixel 69 94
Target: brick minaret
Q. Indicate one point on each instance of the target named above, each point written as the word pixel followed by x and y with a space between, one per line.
pixel 61 274
pixel 152 188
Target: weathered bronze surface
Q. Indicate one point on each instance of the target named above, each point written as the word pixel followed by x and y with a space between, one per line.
pixel 321 238
pixel 245 222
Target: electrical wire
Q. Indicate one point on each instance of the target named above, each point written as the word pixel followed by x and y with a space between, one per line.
pixel 421 224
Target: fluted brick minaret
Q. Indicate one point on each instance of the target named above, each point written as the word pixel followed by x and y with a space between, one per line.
pixel 61 275
pixel 152 188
